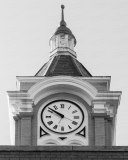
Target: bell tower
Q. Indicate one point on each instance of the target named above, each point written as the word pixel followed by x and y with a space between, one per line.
pixel 63 104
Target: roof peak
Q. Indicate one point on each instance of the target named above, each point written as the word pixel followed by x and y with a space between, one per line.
pixel 62 22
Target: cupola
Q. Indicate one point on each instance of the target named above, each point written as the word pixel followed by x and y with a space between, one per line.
pixel 63 38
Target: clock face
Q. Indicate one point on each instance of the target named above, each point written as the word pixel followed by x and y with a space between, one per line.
pixel 62 116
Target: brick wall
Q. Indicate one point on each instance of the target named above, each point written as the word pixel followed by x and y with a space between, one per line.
pixel 99 131
pixel 63 153
pixel 25 127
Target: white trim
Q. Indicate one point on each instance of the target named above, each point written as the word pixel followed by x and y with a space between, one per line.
pixel 62 51
pixel 65 80
pixel 36 79
pixel 36 100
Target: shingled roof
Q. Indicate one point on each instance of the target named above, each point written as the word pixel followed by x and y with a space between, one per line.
pixel 63 65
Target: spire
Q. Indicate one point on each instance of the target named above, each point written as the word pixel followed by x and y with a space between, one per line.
pixel 62 23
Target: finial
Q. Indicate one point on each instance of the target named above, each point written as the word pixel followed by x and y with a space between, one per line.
pixel 62 6
pixel 62 23
pixel 62 18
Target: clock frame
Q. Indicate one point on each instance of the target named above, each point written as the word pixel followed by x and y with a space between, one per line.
pixel 60 106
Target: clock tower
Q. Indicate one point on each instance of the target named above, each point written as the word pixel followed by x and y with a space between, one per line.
pixel 63 104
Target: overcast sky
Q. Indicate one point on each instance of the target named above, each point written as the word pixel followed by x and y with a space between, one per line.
pixel 101 30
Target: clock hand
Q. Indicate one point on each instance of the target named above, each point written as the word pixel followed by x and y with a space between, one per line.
pixel 59 120
pixel 61 115
pixel 68 118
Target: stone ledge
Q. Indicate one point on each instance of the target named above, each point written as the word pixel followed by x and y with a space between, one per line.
pixel 64 148
pixel 35 148
pixel 100 148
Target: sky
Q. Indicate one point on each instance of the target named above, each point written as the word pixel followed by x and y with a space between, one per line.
pixel 101 31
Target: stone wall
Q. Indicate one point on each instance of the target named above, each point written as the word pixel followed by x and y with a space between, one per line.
pixel 63 153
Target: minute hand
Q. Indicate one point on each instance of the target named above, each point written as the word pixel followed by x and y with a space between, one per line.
pixel 61 115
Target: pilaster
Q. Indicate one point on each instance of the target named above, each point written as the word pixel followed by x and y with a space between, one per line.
pixel 16 130
pixel 26 119
pixel 110 134
pixel 106 133
pixel 103 116
pixel 19 131
pixel 99 129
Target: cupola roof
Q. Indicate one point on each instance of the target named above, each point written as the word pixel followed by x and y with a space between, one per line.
pixel 62 28
pixel 63 65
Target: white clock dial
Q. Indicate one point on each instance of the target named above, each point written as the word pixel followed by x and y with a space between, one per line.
pixel 62 116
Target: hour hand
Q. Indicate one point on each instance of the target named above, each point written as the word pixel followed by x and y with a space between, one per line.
pixel 61 115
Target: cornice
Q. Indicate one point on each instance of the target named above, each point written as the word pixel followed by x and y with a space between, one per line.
pixel 43 83
pixel 63 51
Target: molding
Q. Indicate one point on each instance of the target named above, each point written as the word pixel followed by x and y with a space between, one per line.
pixel 29 78
pixel 109 110
pixel 50 142
pixel 39 78
pixel 36 79
pixel 63 84
pixel 21 106
pixel 99 114
pixel 101 107
pixel 84 149
pixel 26 114
pixel 64 80
pixel 16 118
pixel 75 142
pixel 36 100
pixel 63 51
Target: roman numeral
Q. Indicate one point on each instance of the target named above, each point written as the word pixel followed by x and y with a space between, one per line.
pixel 50 111
pixel 75 123
pixel 55 127
pixel 55 107
pixel 62 128
pixel 74 111
pixel 76 117
pixel 48 116
pixel 69 127
pixel 50 122
pixel 62 105
pixel 69 107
